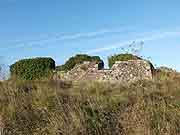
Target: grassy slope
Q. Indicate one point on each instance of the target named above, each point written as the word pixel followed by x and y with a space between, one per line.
pixel 91 108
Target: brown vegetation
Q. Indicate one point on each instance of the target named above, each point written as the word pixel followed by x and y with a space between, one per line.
pixel 91 108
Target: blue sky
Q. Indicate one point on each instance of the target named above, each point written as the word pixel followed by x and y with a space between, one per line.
pixel 62 28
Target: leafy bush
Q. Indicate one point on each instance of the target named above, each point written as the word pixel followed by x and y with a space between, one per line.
pixel 32 69
pixel 78 59
pixel 121 57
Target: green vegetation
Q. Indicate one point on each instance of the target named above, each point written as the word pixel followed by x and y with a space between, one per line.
pixel 32 69
pixel 31 106
pixel 91 108
pixel 121 57
pixel 78 59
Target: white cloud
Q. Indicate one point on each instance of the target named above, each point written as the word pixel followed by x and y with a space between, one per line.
pixel 153 36
pixel 50 39
pixel 60 37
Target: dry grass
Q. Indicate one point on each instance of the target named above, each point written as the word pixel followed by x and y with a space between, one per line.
pixel 90 108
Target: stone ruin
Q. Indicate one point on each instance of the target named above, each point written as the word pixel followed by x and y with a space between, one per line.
pixel 121 71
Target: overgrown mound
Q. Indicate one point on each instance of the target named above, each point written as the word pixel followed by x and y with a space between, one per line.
pixel 79 59
pixel 32 69
pixel 165 73
pixel 121 57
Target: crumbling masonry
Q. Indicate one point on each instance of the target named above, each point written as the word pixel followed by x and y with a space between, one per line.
pixel 121 71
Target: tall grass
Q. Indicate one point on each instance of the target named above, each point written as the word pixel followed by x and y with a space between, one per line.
pixel 90 108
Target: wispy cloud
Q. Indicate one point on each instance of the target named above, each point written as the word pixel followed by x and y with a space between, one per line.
pixel 153 36
pixel 95 34
pixel 60 37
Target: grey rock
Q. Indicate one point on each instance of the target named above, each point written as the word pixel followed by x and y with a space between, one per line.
pixel 121 71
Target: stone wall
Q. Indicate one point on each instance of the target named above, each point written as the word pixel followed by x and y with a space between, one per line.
pixel 121 71
pixel 127 71
pixel 78 72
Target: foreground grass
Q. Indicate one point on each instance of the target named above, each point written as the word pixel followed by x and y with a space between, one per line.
pixel 90 108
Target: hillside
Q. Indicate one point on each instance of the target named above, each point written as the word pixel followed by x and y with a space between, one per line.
pixel 90 107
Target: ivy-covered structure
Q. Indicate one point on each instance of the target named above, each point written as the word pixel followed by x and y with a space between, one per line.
pixel 32 69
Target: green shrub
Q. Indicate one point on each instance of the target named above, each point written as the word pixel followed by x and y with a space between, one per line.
pixel 121 57
pixel 32 69
pixel 78 59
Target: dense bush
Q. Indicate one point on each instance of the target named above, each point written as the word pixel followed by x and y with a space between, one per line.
pixel 121 57
pixel 32 69
pixel 78 59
